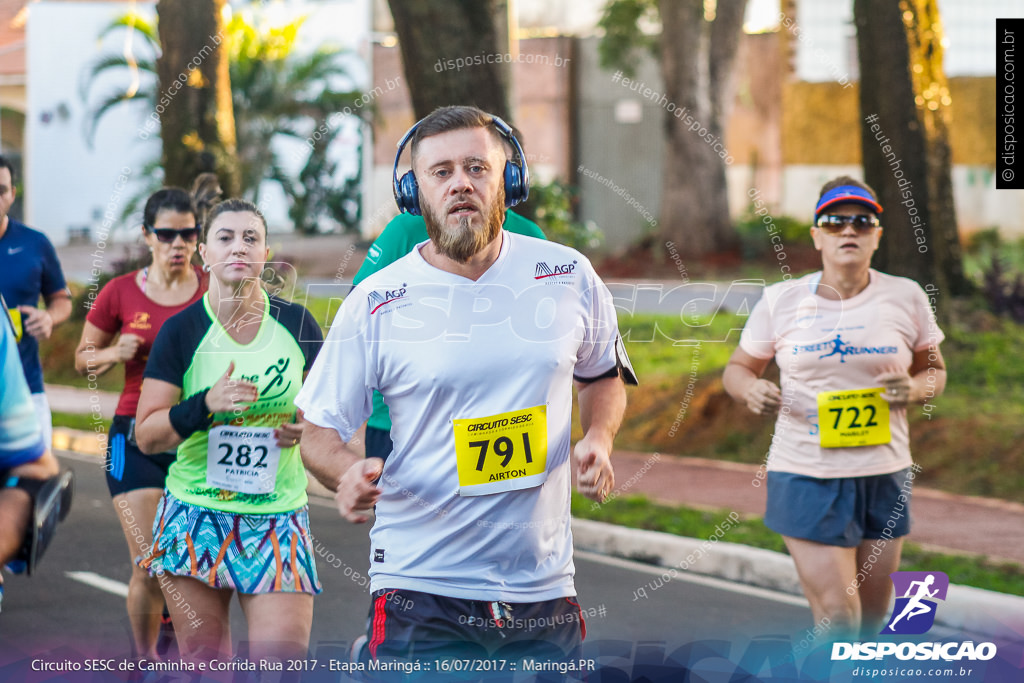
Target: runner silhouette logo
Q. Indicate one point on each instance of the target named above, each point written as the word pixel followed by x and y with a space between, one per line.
pixel 916 595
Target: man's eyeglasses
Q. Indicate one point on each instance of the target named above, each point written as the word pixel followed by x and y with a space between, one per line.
pixel 167 235
pixel 834 224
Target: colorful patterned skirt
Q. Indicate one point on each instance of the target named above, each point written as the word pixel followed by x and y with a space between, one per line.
pixel 243 552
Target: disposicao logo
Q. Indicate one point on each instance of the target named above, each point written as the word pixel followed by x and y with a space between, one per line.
pixel 916 595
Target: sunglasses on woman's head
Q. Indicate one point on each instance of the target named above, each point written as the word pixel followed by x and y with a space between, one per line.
pixel 834 223
pixel 167 235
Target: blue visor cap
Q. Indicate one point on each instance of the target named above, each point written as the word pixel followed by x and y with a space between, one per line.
pixel 846 194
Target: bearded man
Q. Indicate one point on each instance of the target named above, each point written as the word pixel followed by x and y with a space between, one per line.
pixel 474 339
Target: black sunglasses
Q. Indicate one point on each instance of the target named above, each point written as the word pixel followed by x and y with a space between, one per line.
pixel 167 235
pixel 834 223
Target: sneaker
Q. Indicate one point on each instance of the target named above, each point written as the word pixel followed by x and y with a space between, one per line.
pixel 165 638
pixel 16 566
pixel 359 651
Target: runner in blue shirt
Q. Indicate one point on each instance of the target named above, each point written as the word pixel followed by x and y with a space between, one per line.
pixel 27 468
pixel 29 269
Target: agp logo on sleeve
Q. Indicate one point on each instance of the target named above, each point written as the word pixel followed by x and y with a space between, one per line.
pixel 377 299
pixel 916 595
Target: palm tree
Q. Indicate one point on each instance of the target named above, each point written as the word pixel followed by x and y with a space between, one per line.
pixel 141 48
pixel 276 94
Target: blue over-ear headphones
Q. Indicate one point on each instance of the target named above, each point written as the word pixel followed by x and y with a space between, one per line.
pixel 517 175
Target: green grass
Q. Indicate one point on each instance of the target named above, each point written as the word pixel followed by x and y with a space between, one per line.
pixel 985 245
pixel 58 358
pixel 638 512
pixel 84 421
pixel 983 363
pixel 662 346
pixel 969 571
pixel 323 310
pixel 972 444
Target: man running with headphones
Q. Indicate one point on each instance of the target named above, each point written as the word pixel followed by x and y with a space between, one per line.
pixel 474 340
pixel 400 236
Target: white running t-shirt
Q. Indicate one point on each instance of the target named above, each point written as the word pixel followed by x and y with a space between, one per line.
pixel 478 378
pixel 829 353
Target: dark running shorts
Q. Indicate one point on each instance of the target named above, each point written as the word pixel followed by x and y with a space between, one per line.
pixel 406 625
pixel 127 467
pixel 842 511
pixel 378 443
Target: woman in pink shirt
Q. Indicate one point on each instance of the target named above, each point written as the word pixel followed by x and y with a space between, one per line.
pixel 855 349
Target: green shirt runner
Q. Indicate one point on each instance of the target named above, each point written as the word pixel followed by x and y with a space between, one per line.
pixel 243 472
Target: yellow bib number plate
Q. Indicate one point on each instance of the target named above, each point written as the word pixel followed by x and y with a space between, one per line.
pixel 504 452
pixel 16 321
pixel 853 418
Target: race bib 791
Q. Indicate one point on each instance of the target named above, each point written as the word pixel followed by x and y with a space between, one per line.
pixel 504 452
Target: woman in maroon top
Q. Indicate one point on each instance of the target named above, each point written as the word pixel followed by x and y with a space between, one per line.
pixel 120 328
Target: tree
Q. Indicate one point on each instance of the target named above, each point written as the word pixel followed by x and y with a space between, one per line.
pixel 278 93
pixel 312 197
pixel 437 37
pixel 904 104
pixel 696 51
pixel 275 93
pixel 140 62
pixel 196 116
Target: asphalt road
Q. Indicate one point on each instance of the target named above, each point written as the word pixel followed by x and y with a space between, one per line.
pixel 73 608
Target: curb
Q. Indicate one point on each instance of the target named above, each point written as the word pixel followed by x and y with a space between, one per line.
pixel 966 608
pixel 721 559
pixel 80 441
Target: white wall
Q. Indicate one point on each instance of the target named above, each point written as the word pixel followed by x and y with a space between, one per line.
pixel 67 183
pixel 830 37
pixel 980 205
pixel 70 185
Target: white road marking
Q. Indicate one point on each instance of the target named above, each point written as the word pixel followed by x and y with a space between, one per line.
pixel 101 582
pixel 712 582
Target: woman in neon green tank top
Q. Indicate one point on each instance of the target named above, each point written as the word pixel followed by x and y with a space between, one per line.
pixel 219 386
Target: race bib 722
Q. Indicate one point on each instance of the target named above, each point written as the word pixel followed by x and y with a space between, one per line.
pixel 858 417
